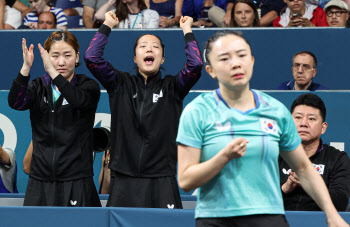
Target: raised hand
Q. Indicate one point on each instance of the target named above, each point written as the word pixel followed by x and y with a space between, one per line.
pixel 28 57
pixel 47 62
pixel 186 24
pixel 111 20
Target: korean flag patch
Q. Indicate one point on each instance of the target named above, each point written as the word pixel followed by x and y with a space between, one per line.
pixel 319 168
pixel 269 126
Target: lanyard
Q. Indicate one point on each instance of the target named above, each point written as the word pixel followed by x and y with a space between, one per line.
pixel 138 15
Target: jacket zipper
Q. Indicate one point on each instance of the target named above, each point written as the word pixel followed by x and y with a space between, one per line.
pixel 141 128
pixel 50 97
pixel 54 145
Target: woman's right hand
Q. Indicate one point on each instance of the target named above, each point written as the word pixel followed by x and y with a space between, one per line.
pixel 111 20
pixel 186 24
pixel 236 148
pixel 28 57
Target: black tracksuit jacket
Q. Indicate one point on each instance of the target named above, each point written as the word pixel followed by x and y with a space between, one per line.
pixel 145 115
pixel 62 134
pixel 334 167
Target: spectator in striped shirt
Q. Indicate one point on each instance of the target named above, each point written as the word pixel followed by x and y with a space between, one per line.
pixel 40 6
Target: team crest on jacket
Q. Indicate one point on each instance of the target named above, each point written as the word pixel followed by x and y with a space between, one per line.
pixel 269 126
pixel 157 96
pixel 319 168
pixel 64 102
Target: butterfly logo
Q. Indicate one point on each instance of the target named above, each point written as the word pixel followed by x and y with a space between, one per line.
pixel 224 127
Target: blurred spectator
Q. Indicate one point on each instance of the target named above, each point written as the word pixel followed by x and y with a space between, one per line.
pixel 10 18
pixel 47 20
pixel 19 6
pixel 304 70
pixel 40 6
pixel 168 10
pixel 269 11
pixel 245 14
pixel 77 11
pixel 89 10
pixel 108 6
pixel 337 13
pixel 300 14
pixel 131 14
pixel 8 171
pixel 309 115
pixel 221 18
pixel 199 9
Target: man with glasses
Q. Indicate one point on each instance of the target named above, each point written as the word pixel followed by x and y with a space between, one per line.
pixel 304 70
pixel 337 13
pixel 301 14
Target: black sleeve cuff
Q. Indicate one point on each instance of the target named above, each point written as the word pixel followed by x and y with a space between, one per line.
pixel 22 80
pixel 189 37
pixel 59 81
pixel 104 29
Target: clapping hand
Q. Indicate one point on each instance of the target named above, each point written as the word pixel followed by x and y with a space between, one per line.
pixel 28 57
pixel 47 62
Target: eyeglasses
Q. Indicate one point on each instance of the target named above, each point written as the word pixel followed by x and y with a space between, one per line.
pixel 337 13
pixel 294 0
pixel 304 67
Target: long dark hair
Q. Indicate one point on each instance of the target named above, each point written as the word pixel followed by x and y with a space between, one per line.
pixel 122 9
pixel 256 22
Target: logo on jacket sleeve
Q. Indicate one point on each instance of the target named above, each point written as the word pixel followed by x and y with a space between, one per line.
pixel 157 96
pixel 319 168
pixel 269 126
pixel 64 102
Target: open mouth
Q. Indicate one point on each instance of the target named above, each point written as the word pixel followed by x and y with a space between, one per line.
pixel 149 60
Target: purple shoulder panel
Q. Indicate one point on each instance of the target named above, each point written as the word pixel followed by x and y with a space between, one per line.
pixel 99 67
pixel 190 74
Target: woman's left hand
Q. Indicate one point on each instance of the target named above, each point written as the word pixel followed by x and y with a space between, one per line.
pixel 186 24
pixel 47 62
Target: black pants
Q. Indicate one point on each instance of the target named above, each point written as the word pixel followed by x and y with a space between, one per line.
pixel 150 192
pixel 262 220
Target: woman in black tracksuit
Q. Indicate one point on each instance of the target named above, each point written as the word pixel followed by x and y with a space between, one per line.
pixel 62 108
pixel 145 113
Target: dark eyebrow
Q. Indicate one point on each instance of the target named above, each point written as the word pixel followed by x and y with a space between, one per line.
pixel 66 52
pixel 238 51
pixel 306 114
